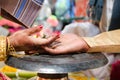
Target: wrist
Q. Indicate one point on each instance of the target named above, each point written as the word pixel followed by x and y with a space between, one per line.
pixel 13 43
pixel 85 45
pixel 10 48
pixel 10 41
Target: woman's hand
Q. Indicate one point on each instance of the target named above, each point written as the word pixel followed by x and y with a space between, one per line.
pixel 24 41
pixel 67 43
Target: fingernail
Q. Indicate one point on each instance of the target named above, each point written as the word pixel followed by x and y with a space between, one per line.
pixel 58 36
pixel 57 32
pixel 40 26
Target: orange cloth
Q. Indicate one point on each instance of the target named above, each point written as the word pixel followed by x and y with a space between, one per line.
pixel 81 6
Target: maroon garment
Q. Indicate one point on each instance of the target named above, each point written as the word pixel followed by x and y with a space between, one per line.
pixel 3 77
pixel 115 73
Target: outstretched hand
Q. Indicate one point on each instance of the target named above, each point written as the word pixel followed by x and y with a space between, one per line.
pixel 24 41
pixel 67 43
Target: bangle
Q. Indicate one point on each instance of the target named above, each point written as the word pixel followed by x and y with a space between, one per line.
pixel 3 54
pixel 11 50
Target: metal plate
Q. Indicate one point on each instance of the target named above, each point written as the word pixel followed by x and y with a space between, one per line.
pixel 58 64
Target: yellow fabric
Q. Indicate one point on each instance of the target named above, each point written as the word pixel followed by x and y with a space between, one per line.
pixel 8 69
pixel 80 76
pixel 105 42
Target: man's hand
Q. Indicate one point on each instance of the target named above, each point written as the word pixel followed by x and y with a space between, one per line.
pixel 67 43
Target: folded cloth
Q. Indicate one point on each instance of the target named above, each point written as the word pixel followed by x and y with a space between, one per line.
pixel 21 11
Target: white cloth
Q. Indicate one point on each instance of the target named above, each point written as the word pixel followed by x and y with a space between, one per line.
pixel 85 29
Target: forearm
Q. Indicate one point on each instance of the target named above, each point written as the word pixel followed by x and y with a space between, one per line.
pixel 104 42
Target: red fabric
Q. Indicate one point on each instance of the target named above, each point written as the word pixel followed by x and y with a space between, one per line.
pixel 115 73
pixel 12 27
pixel 81 6
pixel 9 23
pixel 3 77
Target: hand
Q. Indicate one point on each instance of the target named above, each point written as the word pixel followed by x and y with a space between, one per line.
pixel 67 43
pixel 24 41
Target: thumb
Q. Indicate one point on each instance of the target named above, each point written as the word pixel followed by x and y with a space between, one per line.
pixel 33 30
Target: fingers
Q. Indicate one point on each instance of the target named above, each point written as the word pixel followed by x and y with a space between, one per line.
pixel 33 30
pixel 55 44
pixel 43 41
pixel 51 39
pixel 58 49
pixel 50 50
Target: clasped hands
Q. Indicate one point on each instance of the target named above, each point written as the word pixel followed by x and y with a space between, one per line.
pixel 55 44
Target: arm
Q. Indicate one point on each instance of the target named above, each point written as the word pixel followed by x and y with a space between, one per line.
pixel 104 42
pixel 23 41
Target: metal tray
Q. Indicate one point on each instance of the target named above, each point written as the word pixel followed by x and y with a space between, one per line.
pixel 58 64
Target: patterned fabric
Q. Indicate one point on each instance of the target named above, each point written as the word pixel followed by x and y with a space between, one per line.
pixel 94 9
pixel 25 11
